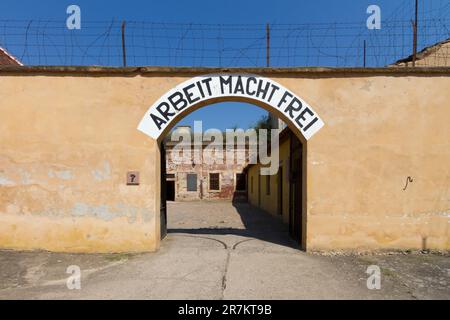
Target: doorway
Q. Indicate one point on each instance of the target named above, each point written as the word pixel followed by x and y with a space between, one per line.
pixel 163 199
pixel 279 195
pixel 170 190
pixel 280 191
pixel 296 191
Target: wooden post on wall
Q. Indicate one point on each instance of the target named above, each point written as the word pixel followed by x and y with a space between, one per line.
pixel 365 52
pixel 124 50
pixel 415 35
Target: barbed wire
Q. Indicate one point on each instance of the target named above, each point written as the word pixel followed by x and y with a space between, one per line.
pixel 345 44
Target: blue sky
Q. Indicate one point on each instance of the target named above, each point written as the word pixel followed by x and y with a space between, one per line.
pixel 231 11
pixel 210 12
pixel 204 11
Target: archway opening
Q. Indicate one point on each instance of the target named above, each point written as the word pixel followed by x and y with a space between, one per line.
pixel 205 194
pixel 301 121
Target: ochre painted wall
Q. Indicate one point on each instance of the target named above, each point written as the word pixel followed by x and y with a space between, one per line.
pixel 66 146
pixel 378 132
pixel 67 141
pixel 269 202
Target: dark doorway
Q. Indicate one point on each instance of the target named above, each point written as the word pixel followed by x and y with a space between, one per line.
pixel 295 192
pixel 170 190
pixel 280 191
pixel 259 190
pixel 163 202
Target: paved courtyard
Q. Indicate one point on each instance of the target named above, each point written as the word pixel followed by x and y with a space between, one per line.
pixel 216 250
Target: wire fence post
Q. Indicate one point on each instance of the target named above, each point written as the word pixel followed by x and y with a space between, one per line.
pixel 364 54
pixel 267 45
pixel 124 50
pixel 415 35
pixel 117 42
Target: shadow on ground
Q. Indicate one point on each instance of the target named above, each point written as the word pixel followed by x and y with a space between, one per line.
pixel 257 224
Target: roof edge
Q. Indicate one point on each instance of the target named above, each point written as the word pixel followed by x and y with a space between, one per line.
pixel 9 55
pixel 424 53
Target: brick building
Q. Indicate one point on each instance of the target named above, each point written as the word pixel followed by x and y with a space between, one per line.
pixel 207 179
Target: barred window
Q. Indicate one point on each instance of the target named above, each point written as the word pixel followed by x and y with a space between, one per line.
pixel 214 181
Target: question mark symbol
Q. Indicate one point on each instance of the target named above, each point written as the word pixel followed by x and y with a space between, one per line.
pixel 132 177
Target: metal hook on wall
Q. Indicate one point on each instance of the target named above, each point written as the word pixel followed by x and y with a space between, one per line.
pixel 408 180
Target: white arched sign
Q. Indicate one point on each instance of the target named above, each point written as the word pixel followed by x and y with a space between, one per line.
pixel 208 87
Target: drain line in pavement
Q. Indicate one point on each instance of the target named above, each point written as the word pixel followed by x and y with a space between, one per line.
pixel 225 246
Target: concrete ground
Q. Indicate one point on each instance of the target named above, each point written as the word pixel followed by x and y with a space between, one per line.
pixel 215 250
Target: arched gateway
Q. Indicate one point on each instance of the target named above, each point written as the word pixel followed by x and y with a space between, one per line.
pixel 208 89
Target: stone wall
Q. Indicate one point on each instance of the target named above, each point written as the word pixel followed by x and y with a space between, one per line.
pixel 212 163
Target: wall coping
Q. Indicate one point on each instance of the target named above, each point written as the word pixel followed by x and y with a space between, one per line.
pixel 178 71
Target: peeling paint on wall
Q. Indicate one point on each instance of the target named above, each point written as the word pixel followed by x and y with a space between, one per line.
pixel 25 177
pixel 6 182
pixel 108 213
pixel 103 173
pixel 367 86
pixel 147 215
pixel 62 174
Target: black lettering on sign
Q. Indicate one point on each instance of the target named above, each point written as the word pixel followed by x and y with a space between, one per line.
pixel 199 86
pixel 224 82
pixel 203 88
pixel 311 123
pixel 208 85
pixel 301 118
pixel 262 90
pixel 283 98
pixel 190 94
pixel 247 88
pixel 309 111
pixel 295 105
pixel 239 88
pixel 163 109
pixel 157 120
pixel 274 88
pixel 177 100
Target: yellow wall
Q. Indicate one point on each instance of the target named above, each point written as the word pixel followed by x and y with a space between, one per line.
pixel 66 145
pixel 378 132
pixel 269 203
pixel 252 176
pixel 68 138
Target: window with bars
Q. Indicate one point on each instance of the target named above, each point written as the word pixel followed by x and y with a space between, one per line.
pixel 214 181
pixel 240 182
pixel 191 180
